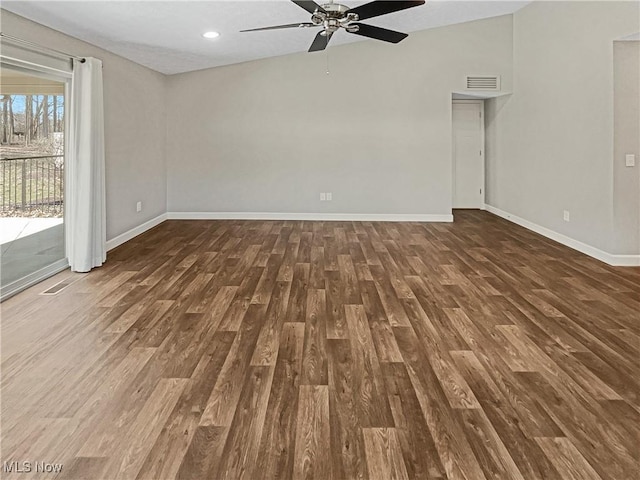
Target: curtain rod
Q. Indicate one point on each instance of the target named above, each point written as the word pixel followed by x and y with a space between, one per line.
pixel 27 43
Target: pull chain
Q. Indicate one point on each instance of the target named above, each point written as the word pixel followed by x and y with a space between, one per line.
pixel 327 57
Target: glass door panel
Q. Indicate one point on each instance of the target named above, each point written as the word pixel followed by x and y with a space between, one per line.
pixel 32 123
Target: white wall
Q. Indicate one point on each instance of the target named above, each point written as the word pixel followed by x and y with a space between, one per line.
pixel 626 180
pixel 550 145
pixel 270 135
pixel 134 127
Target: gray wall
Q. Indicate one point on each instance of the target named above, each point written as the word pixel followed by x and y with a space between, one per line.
pixel 270 135
pixel 134 127
pixel 626 115
pixel 550 145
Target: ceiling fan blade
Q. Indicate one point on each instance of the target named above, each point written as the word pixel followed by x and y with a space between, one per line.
pixel 320 42
pixel 375 9
pixel 379 33
pixel 309 6
pixel 290 25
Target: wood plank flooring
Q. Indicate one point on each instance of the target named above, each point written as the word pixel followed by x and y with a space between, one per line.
pixel 211 350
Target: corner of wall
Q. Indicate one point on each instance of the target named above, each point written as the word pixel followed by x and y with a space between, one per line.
pixel 165 149
pixel 549 153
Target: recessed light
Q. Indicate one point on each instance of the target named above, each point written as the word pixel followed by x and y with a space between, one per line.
pixel 210 34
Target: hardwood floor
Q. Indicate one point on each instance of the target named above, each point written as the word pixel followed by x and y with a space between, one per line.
pixel 328 350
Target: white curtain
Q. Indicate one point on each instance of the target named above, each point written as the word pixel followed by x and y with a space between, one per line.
pixel 85 190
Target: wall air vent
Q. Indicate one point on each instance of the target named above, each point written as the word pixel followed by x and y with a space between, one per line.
pixel 483 82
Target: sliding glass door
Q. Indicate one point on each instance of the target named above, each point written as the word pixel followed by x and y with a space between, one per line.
pixel 32 146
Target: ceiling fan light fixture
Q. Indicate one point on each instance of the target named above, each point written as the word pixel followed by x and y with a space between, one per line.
pixel 211 35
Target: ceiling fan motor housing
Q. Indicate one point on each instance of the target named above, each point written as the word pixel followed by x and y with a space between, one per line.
pixel 333 17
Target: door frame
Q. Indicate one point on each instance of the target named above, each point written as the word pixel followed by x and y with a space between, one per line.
pixel 482 152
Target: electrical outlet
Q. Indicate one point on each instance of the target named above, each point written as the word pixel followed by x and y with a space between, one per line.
pixel 323 197
pixel 566 216
pixel 139 207
pixel 329 196
pixel 630 160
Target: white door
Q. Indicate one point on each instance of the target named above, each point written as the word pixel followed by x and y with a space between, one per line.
pixel 468 155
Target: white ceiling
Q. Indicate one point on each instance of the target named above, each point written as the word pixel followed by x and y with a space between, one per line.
pixel 166 35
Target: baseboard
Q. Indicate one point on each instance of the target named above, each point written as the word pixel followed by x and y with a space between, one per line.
pixel 355 217
pixel 134 232
pixel 624 260
pixel 608 258
pixel 25 282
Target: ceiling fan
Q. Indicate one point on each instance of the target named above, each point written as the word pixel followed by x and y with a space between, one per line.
pixel 332 16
